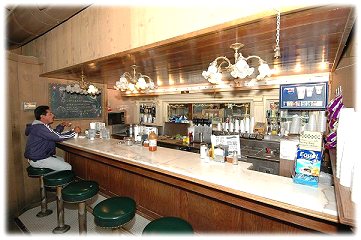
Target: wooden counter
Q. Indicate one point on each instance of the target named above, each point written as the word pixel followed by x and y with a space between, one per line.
pixel 346 207
pixel 213 197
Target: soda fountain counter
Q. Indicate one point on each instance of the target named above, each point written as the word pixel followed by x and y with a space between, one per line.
pixel 213 197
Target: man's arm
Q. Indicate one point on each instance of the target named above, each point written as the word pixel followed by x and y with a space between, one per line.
pixel 49 134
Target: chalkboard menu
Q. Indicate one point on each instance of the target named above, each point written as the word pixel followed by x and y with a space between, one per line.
pixel 311 96
pixel 72 105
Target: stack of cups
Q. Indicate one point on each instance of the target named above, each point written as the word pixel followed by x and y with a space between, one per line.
pixel 241 126
pixel 219 126
pixel 312 126
pixel 251 125
pixel 321 122
pixel 231 127
pixel 295 124
pixel 247 125
pixel 236 125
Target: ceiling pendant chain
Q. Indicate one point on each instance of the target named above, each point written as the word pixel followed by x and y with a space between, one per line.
pixel 277 49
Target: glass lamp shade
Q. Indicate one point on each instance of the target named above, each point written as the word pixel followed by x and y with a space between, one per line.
pixel 122 84
pixel 212 74
pixel 151 85
pixel 241 69
pixel 131 87
pixel 215 78
pixel 141 84
pixel 264 71
pixel 92 89
pixel 212 68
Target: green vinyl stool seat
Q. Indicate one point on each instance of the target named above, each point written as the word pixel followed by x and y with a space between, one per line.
pixel 59 179
pixel 39 173
pixel 79 192
pixel 114 212
pixel 168 225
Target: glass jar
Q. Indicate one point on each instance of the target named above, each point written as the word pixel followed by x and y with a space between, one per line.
pixel 203 150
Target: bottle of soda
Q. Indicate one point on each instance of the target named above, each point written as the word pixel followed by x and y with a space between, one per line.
pixel 152 141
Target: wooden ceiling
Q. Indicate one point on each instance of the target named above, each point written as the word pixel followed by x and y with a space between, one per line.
pixel 308 37
pixel 25 23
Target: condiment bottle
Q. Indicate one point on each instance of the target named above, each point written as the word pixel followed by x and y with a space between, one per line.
pixel 152 141
pixel 235 158
pixel 190 135
pixel 203 150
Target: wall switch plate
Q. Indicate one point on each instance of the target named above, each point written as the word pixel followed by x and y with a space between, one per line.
pixel 29 106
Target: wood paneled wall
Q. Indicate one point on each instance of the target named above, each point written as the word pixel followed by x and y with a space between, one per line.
pixel 101 31
pixel 345 75
pixel 25 85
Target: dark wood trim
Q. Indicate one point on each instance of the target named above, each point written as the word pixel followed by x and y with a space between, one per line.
pixel 345 207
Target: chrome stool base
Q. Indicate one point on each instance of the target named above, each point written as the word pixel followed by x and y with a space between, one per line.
pixel 44 214
pixel 62 229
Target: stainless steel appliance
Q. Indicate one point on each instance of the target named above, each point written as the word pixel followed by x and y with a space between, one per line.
pixel 263 154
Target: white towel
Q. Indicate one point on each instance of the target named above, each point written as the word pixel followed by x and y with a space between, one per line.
pixel 343 126
pixel 350 150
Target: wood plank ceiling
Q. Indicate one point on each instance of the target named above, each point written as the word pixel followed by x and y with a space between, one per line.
pixel 308 37
pixel 25 23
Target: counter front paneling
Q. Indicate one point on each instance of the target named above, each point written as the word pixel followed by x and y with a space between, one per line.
pixel 213 197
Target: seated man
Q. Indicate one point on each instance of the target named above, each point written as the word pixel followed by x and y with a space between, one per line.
pixel 40 146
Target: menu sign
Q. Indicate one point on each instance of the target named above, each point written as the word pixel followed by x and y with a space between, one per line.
pixel 232 141
pixel 304 96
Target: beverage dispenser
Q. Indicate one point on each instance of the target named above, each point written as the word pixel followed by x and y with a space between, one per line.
pixel 302 108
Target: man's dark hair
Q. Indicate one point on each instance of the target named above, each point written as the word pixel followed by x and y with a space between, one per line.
pixel 40 110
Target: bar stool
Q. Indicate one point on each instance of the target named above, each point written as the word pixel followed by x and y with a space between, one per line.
pixel 59 179
pixel 79 192
pixel 39 173
pixel 168 225
pixel 114 212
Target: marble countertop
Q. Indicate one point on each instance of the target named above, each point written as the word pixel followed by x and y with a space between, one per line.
pixel 236 179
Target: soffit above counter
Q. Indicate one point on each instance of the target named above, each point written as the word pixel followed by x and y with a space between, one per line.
pixel 308 36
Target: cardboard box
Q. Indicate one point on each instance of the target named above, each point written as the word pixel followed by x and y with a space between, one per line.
pixel 308 162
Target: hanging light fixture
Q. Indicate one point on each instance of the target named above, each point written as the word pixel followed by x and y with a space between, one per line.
pixel 277 49
pixel 240 69
pixel 82 87
pixel 134 82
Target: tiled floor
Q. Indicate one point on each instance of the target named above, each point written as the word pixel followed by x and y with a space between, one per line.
pixel 46 224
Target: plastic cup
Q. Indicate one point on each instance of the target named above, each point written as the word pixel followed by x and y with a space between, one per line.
pixel 301 92
pixel 309 91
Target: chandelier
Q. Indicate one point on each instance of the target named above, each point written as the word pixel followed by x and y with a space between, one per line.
pixel 135 82
pixel 240 69
pixel 82 87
